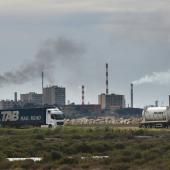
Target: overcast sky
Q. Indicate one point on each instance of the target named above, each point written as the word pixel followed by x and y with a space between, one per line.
pixel 79 37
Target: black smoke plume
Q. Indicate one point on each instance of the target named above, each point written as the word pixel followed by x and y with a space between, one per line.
pixel 52 53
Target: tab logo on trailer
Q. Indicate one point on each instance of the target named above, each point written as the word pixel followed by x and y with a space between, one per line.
pixel 10 116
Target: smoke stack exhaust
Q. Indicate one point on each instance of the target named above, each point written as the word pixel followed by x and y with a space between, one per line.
pixel 107 79
pixel 169 100
pixel 83 94
pixel 131 95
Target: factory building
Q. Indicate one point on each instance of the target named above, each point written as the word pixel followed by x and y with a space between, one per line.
pixel 91 109
pixel 7 104
pixel 111 101
pixel 32 98
pixel 54 95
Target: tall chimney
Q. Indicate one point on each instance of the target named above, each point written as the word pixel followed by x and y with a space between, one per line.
pixel 15 97
pixel 42 81
pixel 131 95
pixel 107 79
pixel 42 87
pixel 156 103
pixel 83 95
pixel 169 100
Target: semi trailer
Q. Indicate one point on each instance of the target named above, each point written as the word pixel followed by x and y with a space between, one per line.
pixel 155 117
pixel 42 117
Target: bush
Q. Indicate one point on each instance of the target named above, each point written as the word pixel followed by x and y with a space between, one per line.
pixel 119 146
pixel 145 146
pixel 84 148
pixel 39 136
pixel 140 132
pixel 90 130
pixel 120 167
pixel 27 164
pixel 5 164
pixel 65 167
pixel 101 147
pixel 69 161
pixel 107 129
pixel 137 155
pixel 55 155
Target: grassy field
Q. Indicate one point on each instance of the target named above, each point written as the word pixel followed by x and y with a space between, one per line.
pixel 74 147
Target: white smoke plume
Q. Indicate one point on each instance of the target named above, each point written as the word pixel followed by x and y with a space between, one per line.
pixel 155 77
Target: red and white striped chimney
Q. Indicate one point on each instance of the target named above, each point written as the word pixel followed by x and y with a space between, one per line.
pixel 107 79
pixel 83 94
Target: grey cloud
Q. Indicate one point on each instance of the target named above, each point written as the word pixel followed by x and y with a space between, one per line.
pixel 140 26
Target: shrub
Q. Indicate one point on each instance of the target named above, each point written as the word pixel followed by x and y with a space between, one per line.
pixel 140 132
pixel 27 164
pixel 56 155
pixel 47 166
pixel 119 146
pixel 137 155
pixel 84 148
pixel 145 146
pixel 39 136
pixel 90 130
pixel 65 167
pixel 5 164
pixel 101 147
pixel 69 161
pixel 107 129
pixel 120 167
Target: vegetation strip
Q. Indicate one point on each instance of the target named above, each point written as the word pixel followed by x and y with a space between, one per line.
pixel 101 147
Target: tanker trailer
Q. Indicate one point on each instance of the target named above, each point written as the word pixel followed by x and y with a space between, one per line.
pixel 155 117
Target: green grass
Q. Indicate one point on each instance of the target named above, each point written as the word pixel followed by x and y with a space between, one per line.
pixel 62 148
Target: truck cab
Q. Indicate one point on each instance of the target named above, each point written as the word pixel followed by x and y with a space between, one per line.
pixel 54 117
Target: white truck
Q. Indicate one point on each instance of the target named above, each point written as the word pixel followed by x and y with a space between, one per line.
pixel 155 117
pixel 42 117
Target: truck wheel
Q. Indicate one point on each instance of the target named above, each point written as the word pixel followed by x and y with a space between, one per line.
pixel 148 126
pixel 143 126
pixel 50 126
pixel 153 126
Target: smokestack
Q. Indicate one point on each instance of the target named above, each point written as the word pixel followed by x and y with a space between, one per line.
pixel 131 95
pixel 107 79
pixel 169 100
pixel 156 103
pixel 15 97
pixel 42 87
pixel 83 95
pixel 42 81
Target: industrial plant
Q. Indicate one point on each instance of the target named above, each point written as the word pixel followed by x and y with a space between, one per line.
pixel 108 103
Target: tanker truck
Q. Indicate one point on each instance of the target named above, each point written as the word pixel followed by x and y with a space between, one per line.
pixel 155 117
pixel 39 117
